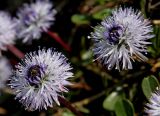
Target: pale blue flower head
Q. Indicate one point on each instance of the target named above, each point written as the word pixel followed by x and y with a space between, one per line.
pixel 153 107
pixel 7 30
pixel 5 71
pixel 40 78
pixel 120 37
pixel 33 19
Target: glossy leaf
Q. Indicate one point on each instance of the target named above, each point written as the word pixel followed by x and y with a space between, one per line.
pixel 80 19
pixel 124 107
pixel 102 14
pixel 149 85
pixel 110 101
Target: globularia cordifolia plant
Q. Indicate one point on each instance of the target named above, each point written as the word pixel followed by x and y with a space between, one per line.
pixel 153 107
pixel 5 71
pixel 33 19
pixel 7 30
pixel 40 78
pixel 120 37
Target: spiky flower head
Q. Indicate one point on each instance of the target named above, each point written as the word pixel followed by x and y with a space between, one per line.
pixel 120 37
pixel 33 19
pixel 7 30
pixel 40 78
pixel 5 71
pixel 153 107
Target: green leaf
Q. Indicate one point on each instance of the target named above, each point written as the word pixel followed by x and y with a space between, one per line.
pixel 102 14
pixel 83 109
pixel 80 19
pixel 110 101
pixel 143 4
pixel 149 85
pixel 101 1
pixel 67 114
pixel 124 107
pixel 87 55
pixel 154 49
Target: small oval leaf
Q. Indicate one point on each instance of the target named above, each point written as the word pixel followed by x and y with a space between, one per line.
pixel 124 107
pixel 102 14
pixel 80 19
pixel 149 85
pixel 110 101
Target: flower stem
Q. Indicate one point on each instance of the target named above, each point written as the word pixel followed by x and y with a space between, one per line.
pixel 69 106
pixel 15 51
pixel 59 40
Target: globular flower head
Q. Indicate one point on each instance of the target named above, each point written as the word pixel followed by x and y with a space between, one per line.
pixel 7 30
pixel 120 37
pixel 40 78
pixel 5 72
pixel 153 107
pixel 33 19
